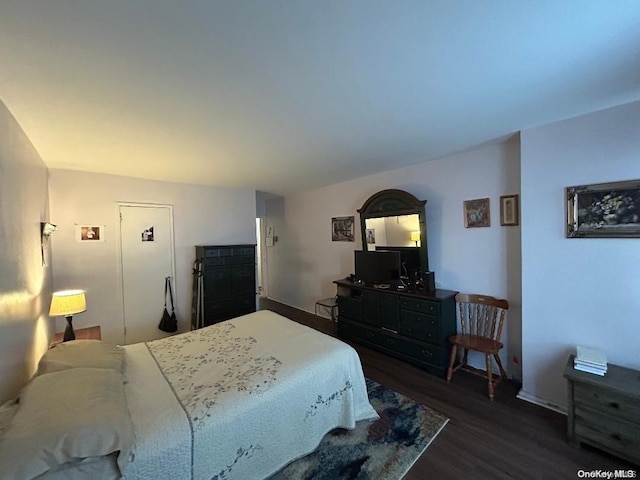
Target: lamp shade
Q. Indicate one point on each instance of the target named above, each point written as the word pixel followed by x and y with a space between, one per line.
pixel 415 236
pixel 67 302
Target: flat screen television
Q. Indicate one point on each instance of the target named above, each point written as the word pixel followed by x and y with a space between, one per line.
pixel 409 258
pixel 377 267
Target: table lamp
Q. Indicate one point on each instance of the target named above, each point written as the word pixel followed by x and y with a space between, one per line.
pixel 415 237
pixel 66 303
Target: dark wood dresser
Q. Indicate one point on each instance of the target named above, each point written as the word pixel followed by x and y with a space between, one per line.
pixel 228 281
pixel 604 411
pixel 411 326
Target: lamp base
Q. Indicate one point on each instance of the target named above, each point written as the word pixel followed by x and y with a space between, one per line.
pixel 69 334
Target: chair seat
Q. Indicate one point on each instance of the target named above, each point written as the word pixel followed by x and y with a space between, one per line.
pixel 474 342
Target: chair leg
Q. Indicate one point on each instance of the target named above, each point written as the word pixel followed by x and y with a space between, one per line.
pixel 464 357
pixel 452 359
pixel 489 376
pixel 503 374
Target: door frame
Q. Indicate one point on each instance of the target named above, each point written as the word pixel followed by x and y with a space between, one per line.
pixel 262 256
pixel 119 254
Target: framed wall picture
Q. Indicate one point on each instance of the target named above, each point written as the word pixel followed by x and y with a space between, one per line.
pixel 604 210
pixel 371 235
pixel 509 210
pixel 342 229
pixel 89 233
pixel 476 213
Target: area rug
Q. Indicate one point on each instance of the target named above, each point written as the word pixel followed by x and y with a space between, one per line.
pixel 384 449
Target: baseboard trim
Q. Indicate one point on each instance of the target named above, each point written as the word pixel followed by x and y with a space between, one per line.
pixel 542 402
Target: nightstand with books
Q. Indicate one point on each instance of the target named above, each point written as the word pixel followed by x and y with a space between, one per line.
pixel 603 409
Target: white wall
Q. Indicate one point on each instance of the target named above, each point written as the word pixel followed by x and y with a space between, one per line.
pixel 25 283
pixel 304 262
pixel 202 215
pixel 576 291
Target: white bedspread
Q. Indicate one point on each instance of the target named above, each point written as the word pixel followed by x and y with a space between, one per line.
pixel 239 399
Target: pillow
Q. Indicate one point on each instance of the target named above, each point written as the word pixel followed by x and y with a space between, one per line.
pixel 81 353
pixel 7 411
pixel 66 416
pixel 103 468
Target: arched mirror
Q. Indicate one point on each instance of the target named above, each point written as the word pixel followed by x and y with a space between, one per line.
pixel 395 220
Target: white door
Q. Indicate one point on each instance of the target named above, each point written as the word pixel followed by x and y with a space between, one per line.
pixel 146 239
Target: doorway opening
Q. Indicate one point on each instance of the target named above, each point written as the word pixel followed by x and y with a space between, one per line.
pixel 261 258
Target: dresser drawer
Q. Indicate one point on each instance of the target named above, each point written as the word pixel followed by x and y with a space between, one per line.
pixel 213 262
pixel 241 304
pixel 218 252
pixel 608 432
pixel 359 333
pixel 349 308
pixel 607 402
pixel 417 351
pixel 420 306
pixel 217 309
pixel 244 252
pixel 424 353
pixel 419 326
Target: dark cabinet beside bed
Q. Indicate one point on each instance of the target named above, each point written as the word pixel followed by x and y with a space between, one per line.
pixel 228 282
pixel 411 326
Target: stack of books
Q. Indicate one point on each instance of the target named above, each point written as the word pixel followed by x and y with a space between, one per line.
pixel 590 360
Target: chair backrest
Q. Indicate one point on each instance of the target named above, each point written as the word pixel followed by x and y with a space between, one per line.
pixel 481 315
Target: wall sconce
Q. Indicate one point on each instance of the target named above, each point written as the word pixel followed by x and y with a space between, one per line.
pixel 67 303
pixel 46 229
pixel 415 237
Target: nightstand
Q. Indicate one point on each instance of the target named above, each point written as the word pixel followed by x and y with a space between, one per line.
pixel 604 411
pixel 89 333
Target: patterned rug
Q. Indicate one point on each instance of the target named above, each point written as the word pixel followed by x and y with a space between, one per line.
pixel 384 449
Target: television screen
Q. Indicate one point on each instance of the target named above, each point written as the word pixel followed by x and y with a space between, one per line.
pixel 409 258
pixel 377 266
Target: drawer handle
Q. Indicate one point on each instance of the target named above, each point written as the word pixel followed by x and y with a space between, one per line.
pixel 369 334
pixel 614 405
pixel 390 341
pixel 427 353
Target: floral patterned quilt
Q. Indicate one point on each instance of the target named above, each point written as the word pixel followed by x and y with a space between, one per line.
pixel 239 399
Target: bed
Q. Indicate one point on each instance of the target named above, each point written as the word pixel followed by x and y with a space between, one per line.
pixel 237 400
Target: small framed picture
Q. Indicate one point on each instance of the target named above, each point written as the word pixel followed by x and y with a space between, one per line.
pixel 342 229
pixel 89 233
pixel 509 210
pixel 476 213
pixel 371 235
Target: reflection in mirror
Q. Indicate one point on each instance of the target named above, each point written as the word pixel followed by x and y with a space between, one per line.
pixel 397 231
pixel 395 220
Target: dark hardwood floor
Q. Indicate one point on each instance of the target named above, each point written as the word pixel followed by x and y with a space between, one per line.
pixel 504 439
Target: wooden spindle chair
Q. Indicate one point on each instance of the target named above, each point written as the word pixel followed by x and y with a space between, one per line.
pixel 481 320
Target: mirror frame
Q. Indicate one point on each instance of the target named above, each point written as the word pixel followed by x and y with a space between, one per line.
pixel 391 203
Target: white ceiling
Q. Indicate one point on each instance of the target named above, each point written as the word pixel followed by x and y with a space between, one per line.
pixel 284 95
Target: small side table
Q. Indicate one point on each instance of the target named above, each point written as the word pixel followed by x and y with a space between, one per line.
pixel 89 333
pixel 604 411
pixel 328 305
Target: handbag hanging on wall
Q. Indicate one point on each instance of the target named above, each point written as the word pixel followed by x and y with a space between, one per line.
pixel 169 322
